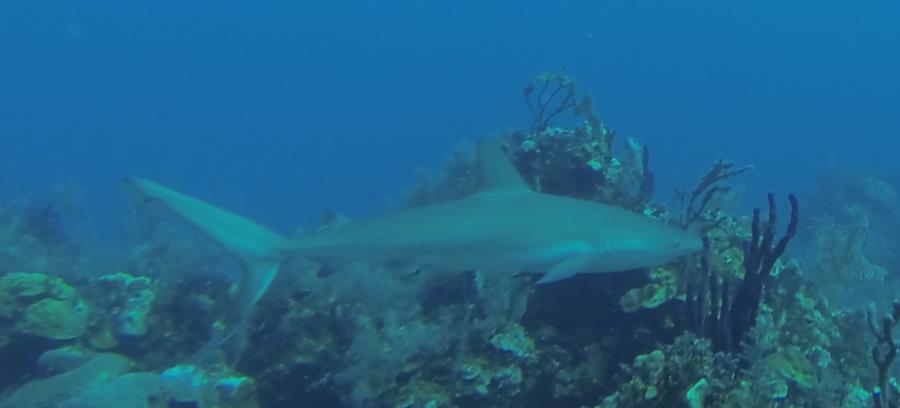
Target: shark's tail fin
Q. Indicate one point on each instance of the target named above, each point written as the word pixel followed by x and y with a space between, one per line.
pixel 260 251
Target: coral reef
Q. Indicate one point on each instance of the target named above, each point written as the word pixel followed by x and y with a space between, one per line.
pixel 687 372
pixel 855 230
pixel 739 325
pixel 798 354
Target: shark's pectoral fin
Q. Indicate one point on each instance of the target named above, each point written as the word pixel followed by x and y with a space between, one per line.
pixel 567 268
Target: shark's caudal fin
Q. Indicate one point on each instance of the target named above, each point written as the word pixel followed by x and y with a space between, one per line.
pixel 260 251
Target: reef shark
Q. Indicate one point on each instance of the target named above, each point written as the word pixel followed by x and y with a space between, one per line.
pixel 503 228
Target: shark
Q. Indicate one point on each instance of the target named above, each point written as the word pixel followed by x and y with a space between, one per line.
pixel 505 227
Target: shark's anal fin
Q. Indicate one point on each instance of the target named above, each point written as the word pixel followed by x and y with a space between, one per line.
pixel 567 268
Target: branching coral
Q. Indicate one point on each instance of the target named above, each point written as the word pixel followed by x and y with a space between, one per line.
pixel 883 355
pixel 706 190
pixel 726 314
pixel 555 95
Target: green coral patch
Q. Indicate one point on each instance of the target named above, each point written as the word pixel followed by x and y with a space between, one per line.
pixel 23 285
pixel 54 319
pixel 663 288
pixel 794 366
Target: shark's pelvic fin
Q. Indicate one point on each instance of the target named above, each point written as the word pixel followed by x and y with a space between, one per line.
pixel 260 251
pixel 567 268
pixel 496 170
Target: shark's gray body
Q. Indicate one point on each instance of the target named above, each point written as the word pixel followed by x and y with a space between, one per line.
pixel 504 228
pixel 506 232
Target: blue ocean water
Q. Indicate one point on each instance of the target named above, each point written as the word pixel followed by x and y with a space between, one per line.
pixel 282 109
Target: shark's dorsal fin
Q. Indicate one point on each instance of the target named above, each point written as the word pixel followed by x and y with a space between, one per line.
pixel 332 220
pixel 496 170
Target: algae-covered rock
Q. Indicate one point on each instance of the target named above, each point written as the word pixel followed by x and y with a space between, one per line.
pixel 697 393
pixel 54 319
pixel 54 391
pixel 7 309
pixel 15 288
pixel 40 305
pixel 131 300
pixel 19 285
pixel 857 397
pixel 794 366
pixel 514 340
pixel 102 339
pixel 63 359
pixel 423 393
pixel 133 390
pixel 223 388
pixel 104 382
pixel 662 288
